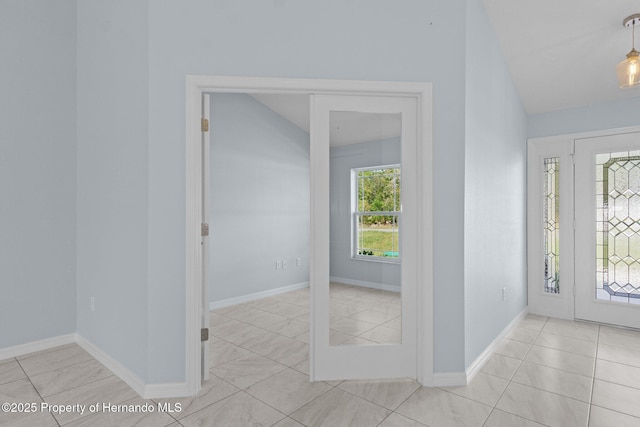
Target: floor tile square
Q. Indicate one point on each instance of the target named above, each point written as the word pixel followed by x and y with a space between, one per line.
pixel 386 393
pixel 602 417
pixel 221 351
pixel 570 345
pixel 238 410
pixel 247 370
pixel 500 418
pixel 484 388
pixel 126 419
pixel 337 408
pixel 618 373
pixel 625 356
pixel 501 366
pixel 543 407
pixel 287 390
pixel 68 377
pixel 397 420
pixel 435 407
pixel 109 390
pixel 212 391
pixel 52 360
pixel 522 334
pixel 554 380
pixel 572 329
pixel 11 371
pixel 511 348
pixel 616 397
pixel 570 362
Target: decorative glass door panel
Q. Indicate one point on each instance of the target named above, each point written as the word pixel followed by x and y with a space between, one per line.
pixel 551 227
pixel 618 227
pixel 607 235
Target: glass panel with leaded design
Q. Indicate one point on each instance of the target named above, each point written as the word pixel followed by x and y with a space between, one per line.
pixel 551 226
pixel 618 227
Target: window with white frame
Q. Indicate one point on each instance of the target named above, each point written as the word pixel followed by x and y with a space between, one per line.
pixel 376 213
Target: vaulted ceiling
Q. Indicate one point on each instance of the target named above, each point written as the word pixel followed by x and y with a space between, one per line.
pixel 563 53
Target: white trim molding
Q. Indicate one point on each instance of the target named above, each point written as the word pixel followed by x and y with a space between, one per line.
pixel 196 86
pixel 454 379
pixel 30 347
pixel 364 284
pixel 214 305
pixel 478 364
pixel 146 391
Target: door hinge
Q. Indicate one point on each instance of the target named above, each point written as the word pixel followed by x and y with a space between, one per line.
pixel 574 290
pixel 204 334
pixel 204 125
pixel 204 230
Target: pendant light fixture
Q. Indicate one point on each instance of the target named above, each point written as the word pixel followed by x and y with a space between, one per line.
pixel 629 69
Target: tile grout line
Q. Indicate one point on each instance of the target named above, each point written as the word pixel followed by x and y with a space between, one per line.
pixel 36 390
pixel 593 380
pixel 514 373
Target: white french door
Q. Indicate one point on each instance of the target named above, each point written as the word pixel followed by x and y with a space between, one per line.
pixel 358 122
pixel 607 229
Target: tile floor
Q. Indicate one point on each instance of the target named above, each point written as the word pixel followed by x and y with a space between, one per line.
pixel 546 372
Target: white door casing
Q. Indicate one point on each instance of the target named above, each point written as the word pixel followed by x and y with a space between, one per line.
pixel 196 86
pixel 206 149
pixel 577 223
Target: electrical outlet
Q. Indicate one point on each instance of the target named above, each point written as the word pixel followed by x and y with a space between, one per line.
pixel 278 265
pixel 298 261
pixel 92 304
pixel 284 264
pixel 504 294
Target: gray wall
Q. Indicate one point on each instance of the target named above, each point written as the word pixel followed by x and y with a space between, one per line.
pixel 610 115
pixel 113 192
pixel 343 159
pixel 37 170
pixel 369 40
pixel 259 198
pixel 132 59
pixel 495 190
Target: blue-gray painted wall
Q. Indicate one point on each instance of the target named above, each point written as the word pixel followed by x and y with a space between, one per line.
pixel 37 170
pixel 259 199
pixel 113 174
pixel 121 238
pixel 495 190
pixel 608 115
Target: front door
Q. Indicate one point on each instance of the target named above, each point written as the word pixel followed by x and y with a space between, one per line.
pixel 607 229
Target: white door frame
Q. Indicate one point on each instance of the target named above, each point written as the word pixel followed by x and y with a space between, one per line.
pixel 196 86
pixel 554 305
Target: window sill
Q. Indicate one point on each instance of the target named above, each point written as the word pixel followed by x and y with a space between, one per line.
pixel 371 258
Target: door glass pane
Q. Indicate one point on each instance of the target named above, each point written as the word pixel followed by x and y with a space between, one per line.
pixel 617 227
pixel 551 205
pixel 365 217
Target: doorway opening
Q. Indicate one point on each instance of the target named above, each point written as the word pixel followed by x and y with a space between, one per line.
pixel 197 306
pixel 584 209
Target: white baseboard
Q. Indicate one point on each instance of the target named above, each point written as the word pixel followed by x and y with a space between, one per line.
pixel 452 379
pixel 30 347
pixel 126 375
pixel 477 364
pixel 214 305
pixel 146 391
pixel 449 379
pixel 372 285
